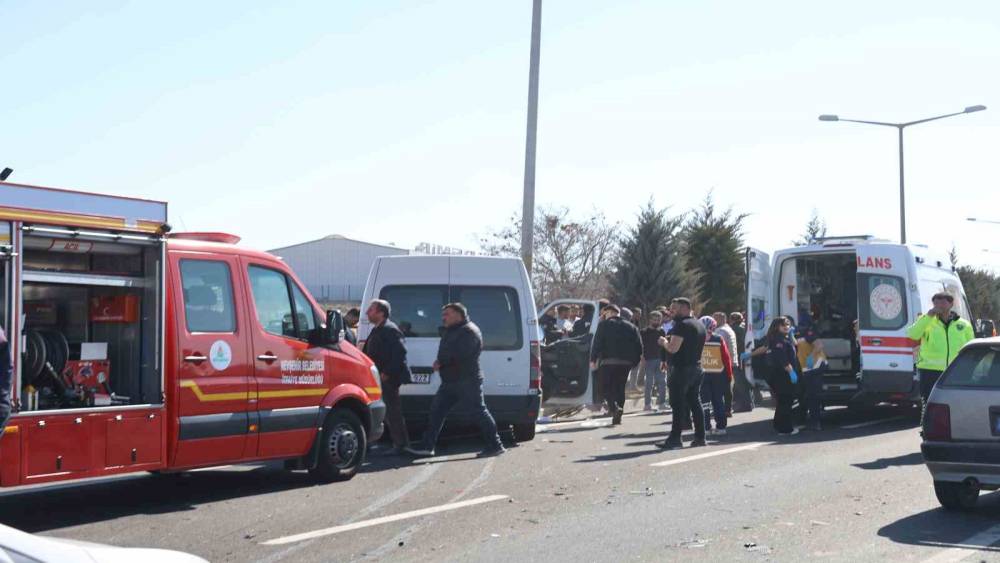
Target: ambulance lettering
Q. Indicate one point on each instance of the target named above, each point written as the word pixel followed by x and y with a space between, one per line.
pixel 875 263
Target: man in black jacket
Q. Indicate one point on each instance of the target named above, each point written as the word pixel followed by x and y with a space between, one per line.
pixel 461 381
pixel 616 350
pixel 386 346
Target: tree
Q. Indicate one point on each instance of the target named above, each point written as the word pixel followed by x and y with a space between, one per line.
pixel 651 268
pixel 953 256
pixel 572 257
pixel 982 287
pixel 815 230
pixel 713 243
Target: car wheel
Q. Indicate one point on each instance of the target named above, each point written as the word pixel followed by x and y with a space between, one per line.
pixel 342 446
pixel 524 432
pixel 956 496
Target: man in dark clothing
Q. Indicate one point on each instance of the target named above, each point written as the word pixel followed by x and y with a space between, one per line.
pixel 616 350
pixel 386 347
pixel 5 381
pixel 743 397
pixel 461 381
pixel 685 343
pixel 582 325
pixel 655 358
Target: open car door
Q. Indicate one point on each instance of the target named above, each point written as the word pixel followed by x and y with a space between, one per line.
pixel 883 316
pixel 566 377
pixel 758 276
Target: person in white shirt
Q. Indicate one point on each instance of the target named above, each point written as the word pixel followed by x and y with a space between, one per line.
pixel 727 332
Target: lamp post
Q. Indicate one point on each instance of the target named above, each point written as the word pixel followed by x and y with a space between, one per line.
pixel 976 220
pixel 528 204
pixel 899 127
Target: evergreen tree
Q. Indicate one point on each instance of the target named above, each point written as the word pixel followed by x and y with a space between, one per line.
pixel 713 244
pixel 651 268
pixel 815 230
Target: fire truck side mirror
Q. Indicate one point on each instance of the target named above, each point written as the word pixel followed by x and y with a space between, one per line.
pixel 334 326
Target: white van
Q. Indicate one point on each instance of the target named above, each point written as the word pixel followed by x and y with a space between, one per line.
pixel 497 293
pixel 829 285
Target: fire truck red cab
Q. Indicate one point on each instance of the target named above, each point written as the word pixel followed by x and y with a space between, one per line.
pixel 139 350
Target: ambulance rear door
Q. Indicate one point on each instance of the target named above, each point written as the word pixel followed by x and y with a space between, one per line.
pixel 759 295
pixel 885 275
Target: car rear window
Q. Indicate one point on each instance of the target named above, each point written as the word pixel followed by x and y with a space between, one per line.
pixel 495 310
pixel 416 309
pixel 978 366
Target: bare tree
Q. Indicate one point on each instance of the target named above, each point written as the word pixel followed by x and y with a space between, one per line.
pixel 573 257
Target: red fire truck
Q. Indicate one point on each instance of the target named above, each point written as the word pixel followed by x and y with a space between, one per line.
pixel 137 349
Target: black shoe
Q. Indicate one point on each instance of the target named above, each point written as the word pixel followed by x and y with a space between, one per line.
pixel 492 451
pixel 617 418
pixel 698 443
pixel 668 445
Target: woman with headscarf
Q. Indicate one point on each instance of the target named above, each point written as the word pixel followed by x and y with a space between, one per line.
pixel 783 373
pixel 717 363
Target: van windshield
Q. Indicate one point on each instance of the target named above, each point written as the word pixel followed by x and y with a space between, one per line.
pixel 978 366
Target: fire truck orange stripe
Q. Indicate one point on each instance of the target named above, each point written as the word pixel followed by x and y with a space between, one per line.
pixel 243 396
pixel 291 393
pixel 11 430
pixel 210 397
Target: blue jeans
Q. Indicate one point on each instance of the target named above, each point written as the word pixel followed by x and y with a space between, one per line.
pixel 468 392
pixel 713 392
pixel 655 376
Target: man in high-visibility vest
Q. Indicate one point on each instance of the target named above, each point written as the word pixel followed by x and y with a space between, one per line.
pixel 941 334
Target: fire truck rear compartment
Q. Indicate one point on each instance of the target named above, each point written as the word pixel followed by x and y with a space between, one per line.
pixel 91 312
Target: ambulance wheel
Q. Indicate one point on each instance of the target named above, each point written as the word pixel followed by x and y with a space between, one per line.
pixel 341 447
pixel 524 432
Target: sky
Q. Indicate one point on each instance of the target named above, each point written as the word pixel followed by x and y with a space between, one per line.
pixel 403 121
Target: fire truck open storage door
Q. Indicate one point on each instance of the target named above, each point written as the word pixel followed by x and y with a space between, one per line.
pixel 759 296
pixel 884 312
pixel 91 305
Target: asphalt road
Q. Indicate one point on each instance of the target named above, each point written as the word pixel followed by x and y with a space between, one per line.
pixel 581 491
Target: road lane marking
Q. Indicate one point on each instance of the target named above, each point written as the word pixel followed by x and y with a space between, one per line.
pixel 383 520
pixel 706 455
pixel 967 547
pixel 871 422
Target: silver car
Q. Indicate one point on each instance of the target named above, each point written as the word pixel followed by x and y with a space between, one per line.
pixel 961 426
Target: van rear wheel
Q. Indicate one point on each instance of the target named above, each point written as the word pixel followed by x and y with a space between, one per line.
pixel 341 447
pixel 956 496
pixel 524 432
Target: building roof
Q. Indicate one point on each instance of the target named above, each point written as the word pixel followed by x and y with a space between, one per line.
pixel 337 237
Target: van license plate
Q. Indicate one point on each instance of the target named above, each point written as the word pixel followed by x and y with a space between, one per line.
pixel 424 378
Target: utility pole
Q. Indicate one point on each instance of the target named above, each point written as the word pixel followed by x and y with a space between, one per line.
pixel 528 208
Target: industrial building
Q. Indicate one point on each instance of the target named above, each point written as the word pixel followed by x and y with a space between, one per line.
pixel 335 268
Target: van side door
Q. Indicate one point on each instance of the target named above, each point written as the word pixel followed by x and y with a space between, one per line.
pixel 214 373
pixel 884 313
pixel 290 373
pixel 759 295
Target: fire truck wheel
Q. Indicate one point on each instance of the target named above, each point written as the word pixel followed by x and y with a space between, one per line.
pixel 341 447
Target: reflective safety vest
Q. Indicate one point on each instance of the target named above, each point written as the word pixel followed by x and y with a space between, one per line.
pixel 940 344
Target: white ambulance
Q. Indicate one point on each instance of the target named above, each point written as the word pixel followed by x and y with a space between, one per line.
pixel 830 285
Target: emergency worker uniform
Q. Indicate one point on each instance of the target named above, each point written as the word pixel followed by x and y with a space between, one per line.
pixel 940 341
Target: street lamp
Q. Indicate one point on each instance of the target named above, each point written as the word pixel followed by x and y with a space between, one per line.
pixel 899 127
pixel 528 199
pixel 975 220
